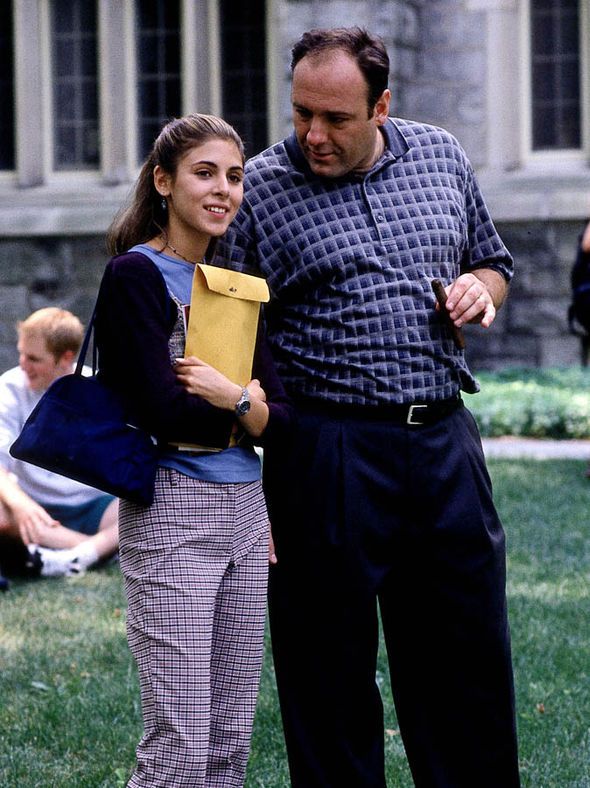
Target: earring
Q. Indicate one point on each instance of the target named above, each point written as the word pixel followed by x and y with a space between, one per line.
pixel 164 204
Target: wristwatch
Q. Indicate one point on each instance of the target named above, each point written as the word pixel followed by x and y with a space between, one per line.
pixel 243 404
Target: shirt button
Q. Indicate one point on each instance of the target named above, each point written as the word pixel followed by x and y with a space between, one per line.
pixel 380 217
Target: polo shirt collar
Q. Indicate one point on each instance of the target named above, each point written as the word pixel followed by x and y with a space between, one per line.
pixel 395 141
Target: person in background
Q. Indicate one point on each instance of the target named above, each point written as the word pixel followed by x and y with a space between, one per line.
pixel 585 240
pixel 580 308
pixel 195 562
pixel 49 525
pixel 382 496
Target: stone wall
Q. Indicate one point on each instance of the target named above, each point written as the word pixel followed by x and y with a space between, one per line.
pixel 531 329
pixel 447 83
pixel 46 271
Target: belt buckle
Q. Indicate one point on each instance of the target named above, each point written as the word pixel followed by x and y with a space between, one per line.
pixel 410 418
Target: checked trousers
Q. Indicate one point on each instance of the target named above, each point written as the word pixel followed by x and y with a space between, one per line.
pixel 195 565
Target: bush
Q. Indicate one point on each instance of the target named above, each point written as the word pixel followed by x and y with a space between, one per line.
pixel 534 403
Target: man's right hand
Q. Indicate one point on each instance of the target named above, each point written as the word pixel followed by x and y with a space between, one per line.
pixel 22 513
pixel 32 521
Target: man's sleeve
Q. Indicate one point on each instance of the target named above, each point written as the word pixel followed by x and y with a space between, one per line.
pixel 485 248
pixel 10 424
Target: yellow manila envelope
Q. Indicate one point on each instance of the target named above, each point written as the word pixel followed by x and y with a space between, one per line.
pixel 223 319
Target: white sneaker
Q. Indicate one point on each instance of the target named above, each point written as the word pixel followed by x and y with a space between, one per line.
pixel 57 563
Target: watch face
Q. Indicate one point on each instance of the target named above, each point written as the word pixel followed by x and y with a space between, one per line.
pixel 243 407
pixel 243 404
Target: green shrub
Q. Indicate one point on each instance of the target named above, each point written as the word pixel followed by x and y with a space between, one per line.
pixel 535 403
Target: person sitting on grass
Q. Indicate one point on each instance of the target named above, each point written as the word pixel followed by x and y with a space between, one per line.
pixel 49 525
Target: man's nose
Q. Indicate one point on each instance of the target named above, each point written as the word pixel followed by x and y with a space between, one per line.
pixel 316 134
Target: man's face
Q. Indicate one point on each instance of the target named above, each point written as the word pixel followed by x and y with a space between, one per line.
pixel 38 363
pixel 334 128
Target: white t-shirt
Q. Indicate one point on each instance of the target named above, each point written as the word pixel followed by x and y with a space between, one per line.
pixel 17 400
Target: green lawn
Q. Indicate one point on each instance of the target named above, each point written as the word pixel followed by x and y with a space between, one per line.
pixel 69 707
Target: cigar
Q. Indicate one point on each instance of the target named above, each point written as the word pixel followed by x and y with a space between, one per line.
pixel 441 297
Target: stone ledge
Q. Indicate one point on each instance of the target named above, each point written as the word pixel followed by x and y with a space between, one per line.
pixel 538 193
pixel 86 208
pixel 513 447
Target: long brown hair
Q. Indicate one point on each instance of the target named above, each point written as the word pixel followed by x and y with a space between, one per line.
pixel 144 216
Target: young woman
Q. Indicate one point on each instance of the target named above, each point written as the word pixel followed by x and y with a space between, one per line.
pixel 196 561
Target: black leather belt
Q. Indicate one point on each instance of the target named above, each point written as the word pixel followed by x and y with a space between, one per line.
pixel 414 414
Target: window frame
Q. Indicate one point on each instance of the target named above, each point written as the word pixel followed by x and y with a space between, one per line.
pixel 10 171
pixel 566 156
pixel 38 200
pixel 46 173
pixel 49 73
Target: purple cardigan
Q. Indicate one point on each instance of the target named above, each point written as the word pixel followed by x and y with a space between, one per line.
pixel 134 320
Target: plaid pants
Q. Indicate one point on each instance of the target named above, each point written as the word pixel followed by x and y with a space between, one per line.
pixel 195 565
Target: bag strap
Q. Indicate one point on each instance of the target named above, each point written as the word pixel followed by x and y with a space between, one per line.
pixel 84 348
pixel 90 331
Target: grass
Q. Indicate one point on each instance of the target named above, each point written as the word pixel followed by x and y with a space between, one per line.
pixel 69 709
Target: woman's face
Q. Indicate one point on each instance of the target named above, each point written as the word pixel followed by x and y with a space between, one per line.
pixel 205 192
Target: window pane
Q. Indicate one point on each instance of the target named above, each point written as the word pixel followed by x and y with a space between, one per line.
pixel 172 54
pixel 89 107
pixel 63 57
pixel 543 34
pixel 89 138
pixel 544 131
pixel 170 14
pixel 6 88
pixel 65 146
pixel 75 84
pixel 555 58
pixel 88 58
pixel 172 98
pixel 569 82
pixel 148 55
pixel 543 77
pixel 159 88
pixel 569 127
pixel 64 96
pixel 243 53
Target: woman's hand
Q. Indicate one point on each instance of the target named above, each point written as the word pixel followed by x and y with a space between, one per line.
pixel 256 391
pixel 207 382
pixel 272 556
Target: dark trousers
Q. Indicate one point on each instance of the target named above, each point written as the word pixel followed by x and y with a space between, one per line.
pixel 368 513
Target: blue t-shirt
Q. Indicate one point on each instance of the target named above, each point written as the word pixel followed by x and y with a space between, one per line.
pixel 230 465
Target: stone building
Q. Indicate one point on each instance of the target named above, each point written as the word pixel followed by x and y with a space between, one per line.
pixel 84 85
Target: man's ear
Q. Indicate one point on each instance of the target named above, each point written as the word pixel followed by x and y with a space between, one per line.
pixel 381 111
pixel 66 360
